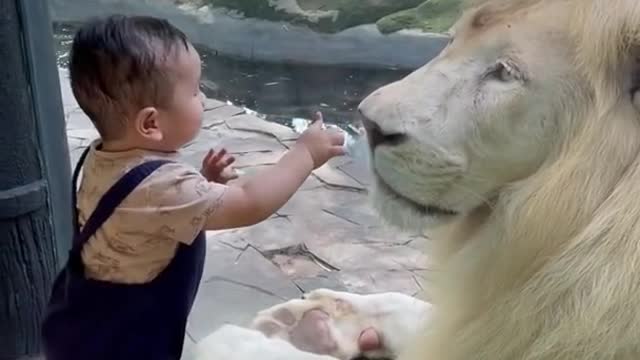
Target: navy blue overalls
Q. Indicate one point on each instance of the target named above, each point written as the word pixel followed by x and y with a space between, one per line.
pixel 93 320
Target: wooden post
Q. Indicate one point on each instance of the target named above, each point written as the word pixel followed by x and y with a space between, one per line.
pixel 35 190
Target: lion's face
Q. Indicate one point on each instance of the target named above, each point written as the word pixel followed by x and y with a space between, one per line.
pixel 485 113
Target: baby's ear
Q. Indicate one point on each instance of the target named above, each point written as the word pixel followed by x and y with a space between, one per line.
pixel 147 124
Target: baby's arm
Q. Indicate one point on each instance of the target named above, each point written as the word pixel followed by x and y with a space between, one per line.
pixel 260 196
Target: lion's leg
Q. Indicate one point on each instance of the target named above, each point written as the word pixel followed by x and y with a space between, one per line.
pixel 344 325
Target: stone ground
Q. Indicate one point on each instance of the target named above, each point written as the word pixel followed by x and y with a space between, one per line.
pixel 325 236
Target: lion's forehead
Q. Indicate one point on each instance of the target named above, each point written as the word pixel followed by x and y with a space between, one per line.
pixel 512 19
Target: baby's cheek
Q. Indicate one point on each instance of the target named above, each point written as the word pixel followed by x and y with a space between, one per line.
pixel 198 108
pixel 194 115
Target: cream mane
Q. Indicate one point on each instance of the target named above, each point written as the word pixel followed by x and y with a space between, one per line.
pixel 551 270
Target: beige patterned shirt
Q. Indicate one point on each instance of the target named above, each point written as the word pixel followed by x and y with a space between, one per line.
pixel 139 240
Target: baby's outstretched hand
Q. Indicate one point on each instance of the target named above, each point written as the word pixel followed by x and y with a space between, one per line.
pixel 321 143
pixel 216 166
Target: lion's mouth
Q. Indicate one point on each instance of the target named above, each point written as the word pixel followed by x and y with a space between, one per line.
pixel 426 210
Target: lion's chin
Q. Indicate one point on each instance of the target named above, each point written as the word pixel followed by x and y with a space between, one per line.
pixel 404 214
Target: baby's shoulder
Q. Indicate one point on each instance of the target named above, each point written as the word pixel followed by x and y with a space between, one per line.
pixel 178 183
pixel 102 170
pixel 173 173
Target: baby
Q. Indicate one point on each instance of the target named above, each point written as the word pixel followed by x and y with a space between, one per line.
pixel 139 249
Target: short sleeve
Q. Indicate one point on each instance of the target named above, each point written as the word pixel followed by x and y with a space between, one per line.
pixel 179 200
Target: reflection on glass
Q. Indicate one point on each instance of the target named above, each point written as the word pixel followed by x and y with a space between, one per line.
pixel 288 58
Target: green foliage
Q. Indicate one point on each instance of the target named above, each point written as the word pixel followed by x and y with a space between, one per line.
pixel 390 15
pixel 357 12
pixel 431 16
pixel 253 9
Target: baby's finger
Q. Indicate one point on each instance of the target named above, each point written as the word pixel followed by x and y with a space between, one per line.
pixel 219 155
pixel 227 161
pixel 337 151
pixel 223 164
pixel 207 158
pixel 317 116
pixel 336 137
pixel 317 125
pixel 317 121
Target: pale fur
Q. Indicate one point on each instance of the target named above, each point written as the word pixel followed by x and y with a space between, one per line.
pixel 396 317
pixel 231 342
pixel 545 263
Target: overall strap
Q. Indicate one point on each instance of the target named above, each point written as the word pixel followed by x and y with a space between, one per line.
pixel 111 199
pixel 74 190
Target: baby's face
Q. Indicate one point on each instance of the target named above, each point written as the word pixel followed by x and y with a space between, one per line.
pixel 183 117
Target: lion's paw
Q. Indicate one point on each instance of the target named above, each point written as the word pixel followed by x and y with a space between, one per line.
pixel 306 324
pixel 344 325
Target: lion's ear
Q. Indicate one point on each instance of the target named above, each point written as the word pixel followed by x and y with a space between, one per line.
pixel 607 34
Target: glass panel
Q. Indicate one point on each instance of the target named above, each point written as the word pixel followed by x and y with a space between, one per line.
pixel 287 58
pixel 281 60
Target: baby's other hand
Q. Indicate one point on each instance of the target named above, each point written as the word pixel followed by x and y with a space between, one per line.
pixel 216 166
pixel 321 143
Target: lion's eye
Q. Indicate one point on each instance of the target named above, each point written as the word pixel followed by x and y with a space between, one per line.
pixel 503 72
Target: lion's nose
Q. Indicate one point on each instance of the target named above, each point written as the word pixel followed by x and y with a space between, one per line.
pixel 376 136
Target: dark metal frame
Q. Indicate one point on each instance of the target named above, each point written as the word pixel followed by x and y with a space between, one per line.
pixel 50 120
pixel 35 184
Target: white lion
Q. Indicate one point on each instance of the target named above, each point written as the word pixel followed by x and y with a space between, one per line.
pixel 519 148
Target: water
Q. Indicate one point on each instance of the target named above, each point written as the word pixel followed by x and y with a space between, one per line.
pixel 279 91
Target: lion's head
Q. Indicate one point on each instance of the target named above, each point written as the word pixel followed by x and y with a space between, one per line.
pixel 523 136
pixel 499 102
pixel 489 111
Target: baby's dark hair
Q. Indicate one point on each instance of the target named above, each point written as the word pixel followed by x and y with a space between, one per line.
pixel 118 66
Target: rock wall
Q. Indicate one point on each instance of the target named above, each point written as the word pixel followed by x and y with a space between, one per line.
pixel 232 33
